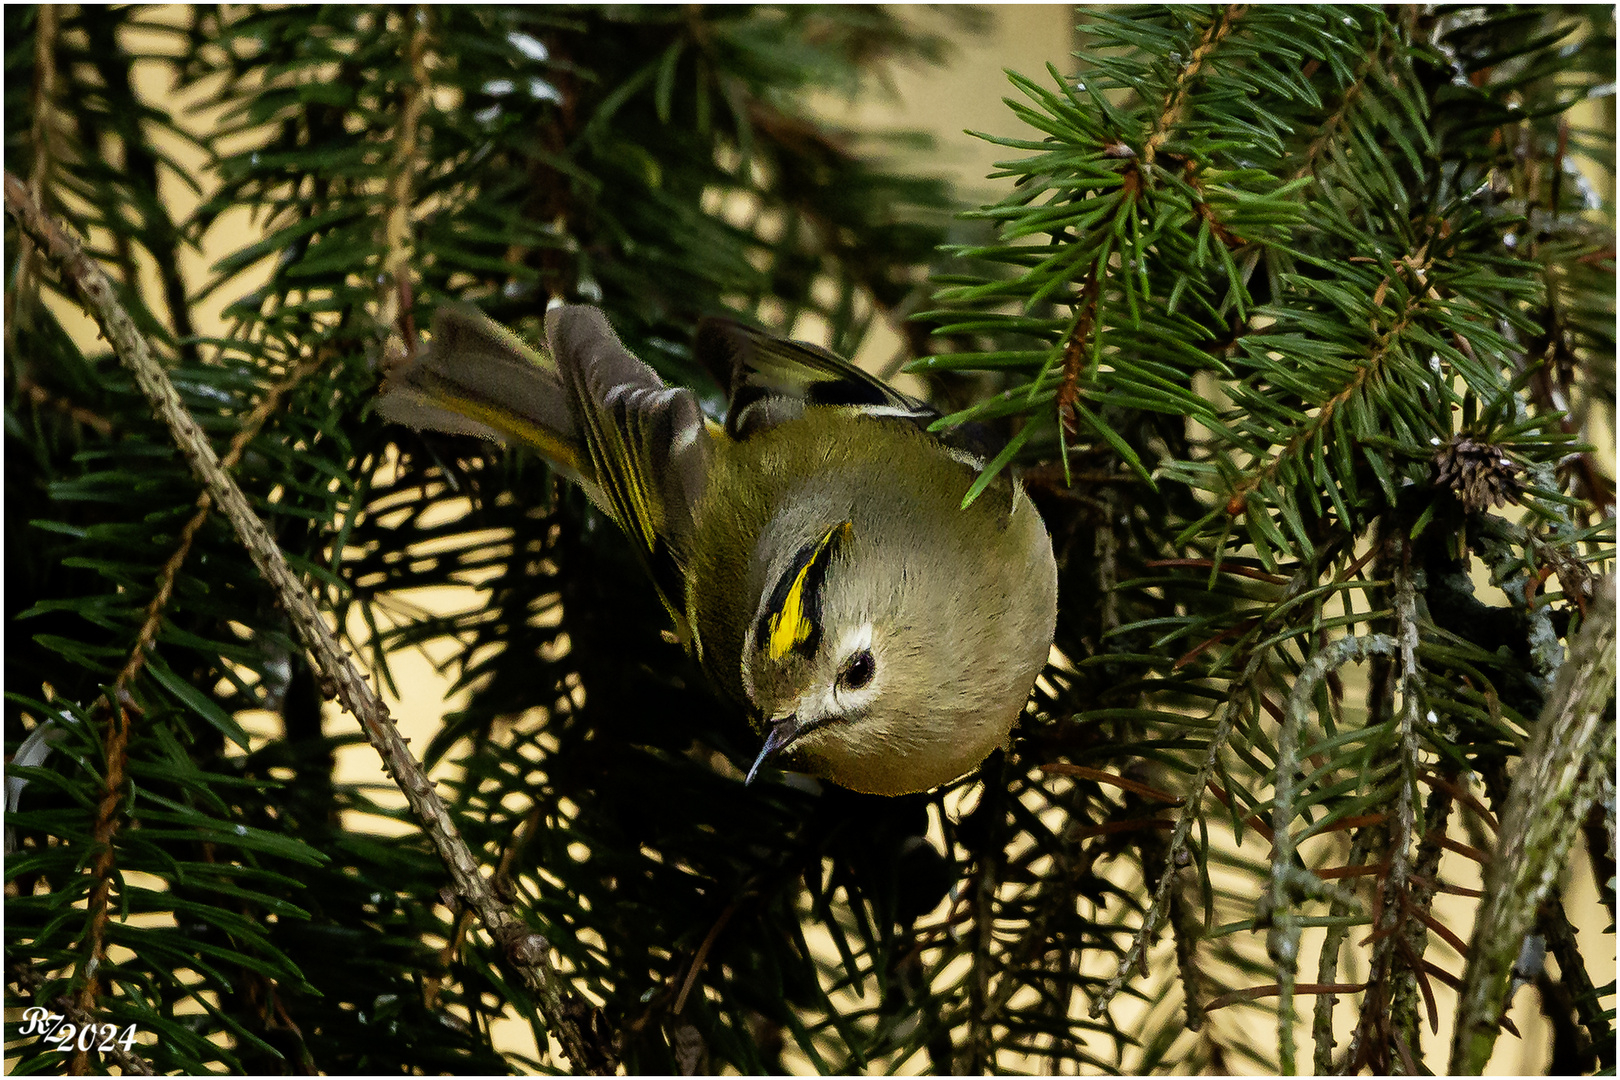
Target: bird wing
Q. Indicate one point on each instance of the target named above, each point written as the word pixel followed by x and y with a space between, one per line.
pixel 772 379
pixel 478 378
pixel 643 447
pixel 639 449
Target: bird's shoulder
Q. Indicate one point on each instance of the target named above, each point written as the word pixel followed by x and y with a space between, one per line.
pixel 771 381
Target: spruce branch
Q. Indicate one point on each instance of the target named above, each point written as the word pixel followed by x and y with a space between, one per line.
pixel 1077 345
pixel 1551 793
pixel 1135 959
pixel 251 426
pixel 118 705
pixel 1403 935
pixel 1028 949
pixel 1399 955
pixel 1176 100
pixel 524 949
pixel 1328 131
pixel 1264 474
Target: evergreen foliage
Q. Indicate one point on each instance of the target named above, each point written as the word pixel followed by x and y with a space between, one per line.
pixel 1296 320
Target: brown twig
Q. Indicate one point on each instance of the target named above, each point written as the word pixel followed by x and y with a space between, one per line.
pixel 1230 240
pixel 1330 126
pixel 394 307
pixel 45 399
pixel 701 957
pixel 1237 500
pixel 1175 100
pixel 251 426
pixel 43 105
pixel 94 953
pixel 524 949
pixel 1327 963
pixel 1074 353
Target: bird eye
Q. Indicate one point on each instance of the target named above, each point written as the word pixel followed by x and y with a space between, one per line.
pixel 859 670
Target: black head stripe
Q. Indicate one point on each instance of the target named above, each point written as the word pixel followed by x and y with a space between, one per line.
pixel 791 621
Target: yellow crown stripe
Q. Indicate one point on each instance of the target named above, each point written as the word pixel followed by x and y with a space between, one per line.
pixel 791 626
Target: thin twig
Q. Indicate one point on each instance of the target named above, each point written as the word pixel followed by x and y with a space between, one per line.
pixel 1135 957
pixel 525 950
pixel 1327 965
pixel 1552 790
pixel 43 104
pixel 249 430
pixel 1402 936
pixel 94 954
pixel 1288 879
pixel 393 309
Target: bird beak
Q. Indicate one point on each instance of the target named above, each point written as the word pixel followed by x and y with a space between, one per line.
pixel 782 733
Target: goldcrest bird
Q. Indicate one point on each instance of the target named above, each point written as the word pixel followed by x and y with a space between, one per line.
pixel 813 550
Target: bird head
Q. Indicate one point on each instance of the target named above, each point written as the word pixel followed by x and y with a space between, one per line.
pixel 887 659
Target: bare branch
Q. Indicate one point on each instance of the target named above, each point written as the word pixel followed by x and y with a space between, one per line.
pixel 1289 879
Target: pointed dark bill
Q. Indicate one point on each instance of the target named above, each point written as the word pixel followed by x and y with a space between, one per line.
pixel 782 733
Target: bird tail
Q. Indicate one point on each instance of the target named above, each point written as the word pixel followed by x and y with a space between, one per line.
pixel 639 448
pixel 478 378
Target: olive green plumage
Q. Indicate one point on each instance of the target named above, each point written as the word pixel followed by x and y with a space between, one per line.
pixel 813 551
